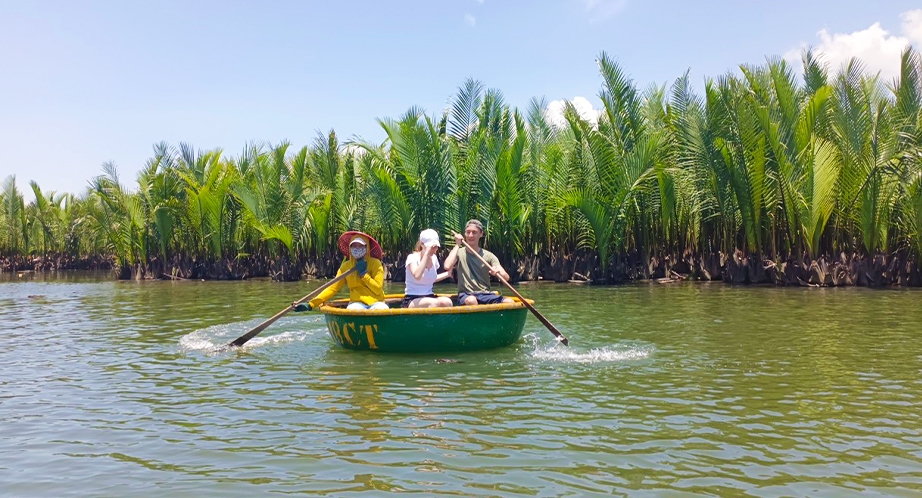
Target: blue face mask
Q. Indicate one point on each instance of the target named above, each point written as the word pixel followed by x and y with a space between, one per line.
pixel 357 252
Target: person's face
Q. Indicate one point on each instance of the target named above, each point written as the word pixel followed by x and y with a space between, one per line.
pixel 472 234
pixel 357 250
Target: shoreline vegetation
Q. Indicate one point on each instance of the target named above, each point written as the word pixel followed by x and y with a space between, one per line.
pixel 768 177
pixel 737 268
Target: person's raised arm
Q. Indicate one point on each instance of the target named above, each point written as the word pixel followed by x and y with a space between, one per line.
pixel 417 269
pixel 452 259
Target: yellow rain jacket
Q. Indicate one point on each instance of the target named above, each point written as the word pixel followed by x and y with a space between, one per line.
pixel 368 289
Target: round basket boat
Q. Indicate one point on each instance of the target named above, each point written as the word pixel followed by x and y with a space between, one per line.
pixel 418 330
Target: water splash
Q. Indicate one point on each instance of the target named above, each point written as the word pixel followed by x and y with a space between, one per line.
pixel 595 355
pixel 600 355
pixel 214 339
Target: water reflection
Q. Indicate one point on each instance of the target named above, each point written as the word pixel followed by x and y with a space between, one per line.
pixel 111 388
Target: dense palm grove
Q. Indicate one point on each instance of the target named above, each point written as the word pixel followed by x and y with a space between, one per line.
pixel 767 177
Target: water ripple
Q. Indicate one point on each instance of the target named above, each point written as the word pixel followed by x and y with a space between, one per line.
pixel 119 389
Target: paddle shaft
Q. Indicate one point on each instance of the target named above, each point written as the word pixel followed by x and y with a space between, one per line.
pixel 539 316
pixel 240 341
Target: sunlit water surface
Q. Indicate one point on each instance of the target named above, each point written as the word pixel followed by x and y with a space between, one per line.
pixel 114 389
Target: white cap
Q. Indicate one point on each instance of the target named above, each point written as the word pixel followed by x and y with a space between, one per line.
pixel 429 237
pixel 358 239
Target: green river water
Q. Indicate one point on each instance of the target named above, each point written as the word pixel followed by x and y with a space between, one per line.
pixel 112 389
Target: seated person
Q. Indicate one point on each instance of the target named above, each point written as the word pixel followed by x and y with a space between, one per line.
pixel 422 272
pixel 473 275
pixel 366 285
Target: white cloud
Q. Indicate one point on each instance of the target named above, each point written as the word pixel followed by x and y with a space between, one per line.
pixel 600 10
pixel 554 112
pixel 912 25
pixel 470 20
pixel 877 49
pixel 356 150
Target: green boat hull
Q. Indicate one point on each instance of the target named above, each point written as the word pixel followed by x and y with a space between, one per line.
pixel 399 330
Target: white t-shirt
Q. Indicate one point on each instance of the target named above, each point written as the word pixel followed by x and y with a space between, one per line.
pixel 423 286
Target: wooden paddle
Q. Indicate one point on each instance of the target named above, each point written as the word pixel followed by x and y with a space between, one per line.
pixel 539 316
pixel 240 341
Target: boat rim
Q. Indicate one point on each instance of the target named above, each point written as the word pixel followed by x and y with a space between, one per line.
pixel 338 307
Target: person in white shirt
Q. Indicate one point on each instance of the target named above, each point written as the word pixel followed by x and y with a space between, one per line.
pixel 422 272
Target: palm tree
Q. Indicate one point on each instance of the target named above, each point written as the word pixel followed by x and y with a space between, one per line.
pixel 119 220
pixel 265 200
pixel 45 218
pixel 618 165
pixel 208 210
pixel 907 125
pixel 867 147
pixel 12 218
pixel 161 190
pixel 329 206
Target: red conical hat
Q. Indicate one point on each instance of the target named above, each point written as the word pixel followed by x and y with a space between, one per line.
pixel 346 239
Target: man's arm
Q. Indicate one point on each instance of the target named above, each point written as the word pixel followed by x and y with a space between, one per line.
pixel 452 259
pixel 496 268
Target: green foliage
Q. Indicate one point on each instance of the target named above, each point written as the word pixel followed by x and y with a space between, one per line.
pixel 760 162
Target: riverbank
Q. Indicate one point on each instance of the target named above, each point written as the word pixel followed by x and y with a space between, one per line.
pixel 52 262
pixel 880 270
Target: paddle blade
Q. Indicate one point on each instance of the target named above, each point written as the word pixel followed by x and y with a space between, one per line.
pixel 240 341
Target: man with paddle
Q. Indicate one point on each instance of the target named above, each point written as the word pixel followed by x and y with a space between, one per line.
pixel 475 267
pixel 480 276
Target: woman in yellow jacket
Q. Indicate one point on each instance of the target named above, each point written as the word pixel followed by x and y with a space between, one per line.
pixel 366 285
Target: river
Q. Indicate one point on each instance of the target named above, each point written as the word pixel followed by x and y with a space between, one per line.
pixel 113 389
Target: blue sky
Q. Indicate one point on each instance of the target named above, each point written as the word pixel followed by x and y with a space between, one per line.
pixel 85 82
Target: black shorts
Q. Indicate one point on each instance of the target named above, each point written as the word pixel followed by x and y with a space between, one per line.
pixel 409 297
pixel 482 298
